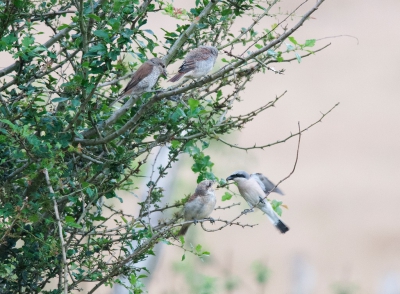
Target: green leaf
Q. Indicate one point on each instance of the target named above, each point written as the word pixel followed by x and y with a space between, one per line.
pixel 149 32
pixel 183 257
pixel 226 196
pixel 71 222
pixel 258 46
pixel 124 219
pixel 198 248
pixel 310 43
pixel 59 99
pixel 63 26
pixel 226 12
pixel 182 239
pixel 10 39
pixel 178 113
pixel 94 16
pixel 69 219
pixel 175 144
pixel 10 124
pixel 293 40
pixel 89 191
pixel 193 103
pixel 132 279
pixel 101 34
pixel 276 205
pixel 27 41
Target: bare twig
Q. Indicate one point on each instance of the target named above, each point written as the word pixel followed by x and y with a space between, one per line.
pixel 60 230
pixel 279 141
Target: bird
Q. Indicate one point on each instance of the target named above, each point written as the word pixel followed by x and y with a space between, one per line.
pixel 254 188
pixel 144 79
pixel 200 204
pixel 197 63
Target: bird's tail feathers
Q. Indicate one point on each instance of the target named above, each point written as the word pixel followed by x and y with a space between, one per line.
pixel 183 230
pixel 176 77
pixel 274 218
pixel 281 227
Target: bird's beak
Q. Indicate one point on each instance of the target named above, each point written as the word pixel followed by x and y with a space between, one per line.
pixel 229 178
pixel 164 73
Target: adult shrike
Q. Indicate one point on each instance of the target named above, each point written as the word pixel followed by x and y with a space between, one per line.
pixel 197 63
pixel 200 204
pixel 253 189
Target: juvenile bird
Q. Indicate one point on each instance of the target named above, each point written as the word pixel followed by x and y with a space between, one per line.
pixel 200 204
pixel 144 79
pixel 253 189
pixel 197 63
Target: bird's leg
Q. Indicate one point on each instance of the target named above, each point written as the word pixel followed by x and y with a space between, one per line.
pixel 246 211
pixel 156 91
pixel 262 200
pixel 195 221
pixel 211 220
pixel 175 98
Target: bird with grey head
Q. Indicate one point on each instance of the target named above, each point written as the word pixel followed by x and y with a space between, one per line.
pixel 197 63
pixel 144 79
pixel 254 188
pixel 200 205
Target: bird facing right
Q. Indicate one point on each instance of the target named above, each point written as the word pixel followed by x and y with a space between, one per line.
pixel 200 204
pixel 254 188
pixel 197 63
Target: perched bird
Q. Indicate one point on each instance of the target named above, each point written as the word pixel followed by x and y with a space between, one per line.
pixel 200 204
pixel 253 189
pixel 144 79
pixel 197 63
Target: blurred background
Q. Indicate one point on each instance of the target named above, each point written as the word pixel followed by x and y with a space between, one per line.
pixel 343 199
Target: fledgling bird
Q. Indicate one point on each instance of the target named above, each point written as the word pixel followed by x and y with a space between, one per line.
pixel 144 79
pixel 200 204
pixel 253 189
pixel 197 63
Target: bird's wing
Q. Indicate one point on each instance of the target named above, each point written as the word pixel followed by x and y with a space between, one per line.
pixel 265 184
pixel 143 71
pixel 193 56
pixel 191 198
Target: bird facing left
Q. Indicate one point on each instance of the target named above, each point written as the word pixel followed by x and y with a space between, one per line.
pixel 254 189
pixel 200 205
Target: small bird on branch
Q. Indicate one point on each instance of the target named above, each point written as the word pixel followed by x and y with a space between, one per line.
pixel 254 188
pixel 197 63
pixel 200 204
pixel 144 79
